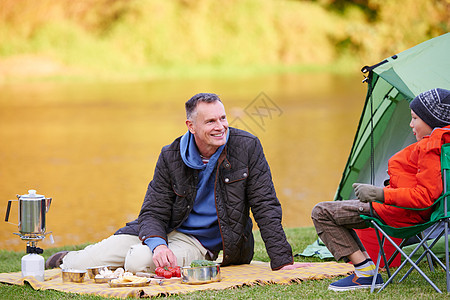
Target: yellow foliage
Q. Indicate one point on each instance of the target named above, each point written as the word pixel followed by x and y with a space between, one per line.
pixel 147 33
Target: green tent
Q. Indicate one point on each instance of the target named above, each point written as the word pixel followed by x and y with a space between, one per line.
pixel 384 124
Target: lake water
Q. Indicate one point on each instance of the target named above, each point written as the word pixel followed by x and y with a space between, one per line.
pixel 92 147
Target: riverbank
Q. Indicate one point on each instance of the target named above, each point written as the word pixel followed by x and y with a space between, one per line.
pixel 38 68
pixel 144 39
pixel 299 239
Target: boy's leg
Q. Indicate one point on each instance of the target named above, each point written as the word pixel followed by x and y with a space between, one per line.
pixel 334 222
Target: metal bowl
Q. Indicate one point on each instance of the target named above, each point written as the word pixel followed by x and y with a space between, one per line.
pixel 73 275
pixel 200 275
pixel 103 279
pixel 95 271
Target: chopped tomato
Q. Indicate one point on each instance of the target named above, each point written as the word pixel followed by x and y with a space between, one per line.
pixel 177 272
pixel 167 274
pixel 159 271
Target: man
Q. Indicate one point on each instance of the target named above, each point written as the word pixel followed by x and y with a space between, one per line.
pixel 414 182
pixel 198 203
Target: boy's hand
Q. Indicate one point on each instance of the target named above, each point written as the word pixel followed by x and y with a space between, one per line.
pixel 368 193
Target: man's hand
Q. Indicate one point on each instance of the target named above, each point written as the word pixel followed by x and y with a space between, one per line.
pixel 368 193
pixel 296 266
pixel 164 257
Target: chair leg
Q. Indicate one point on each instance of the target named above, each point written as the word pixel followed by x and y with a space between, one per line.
pixel 427 250
pixel 431 254
pixel 374 280
pixel 430 261
pixel 381 244
pixel 408 259
pixel 391 259
pixel 447 270
pixel 377 268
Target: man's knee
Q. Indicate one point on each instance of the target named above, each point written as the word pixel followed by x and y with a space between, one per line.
pixel 185 255
pixel 139 259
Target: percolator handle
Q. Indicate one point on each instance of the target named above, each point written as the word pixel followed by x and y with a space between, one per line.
pixel 47 204
pixel 8 208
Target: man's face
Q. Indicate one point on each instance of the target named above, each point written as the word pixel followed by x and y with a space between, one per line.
pixel 209 126
pixel 419 127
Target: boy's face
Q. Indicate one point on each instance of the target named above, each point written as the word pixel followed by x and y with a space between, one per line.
pixel 419 127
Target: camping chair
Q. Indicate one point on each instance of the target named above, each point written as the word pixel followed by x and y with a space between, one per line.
pixel 439 215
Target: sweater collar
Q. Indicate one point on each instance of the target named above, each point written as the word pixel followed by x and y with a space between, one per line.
pixel 191 155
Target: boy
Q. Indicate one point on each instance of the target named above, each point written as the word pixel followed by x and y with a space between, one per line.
pixel 414 181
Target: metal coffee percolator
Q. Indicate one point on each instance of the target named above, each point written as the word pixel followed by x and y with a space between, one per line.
pixel 32 212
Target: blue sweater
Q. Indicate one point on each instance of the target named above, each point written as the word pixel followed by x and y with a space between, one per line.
pixel 202 222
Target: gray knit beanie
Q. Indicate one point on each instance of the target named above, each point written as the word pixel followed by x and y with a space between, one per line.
pixel 433 107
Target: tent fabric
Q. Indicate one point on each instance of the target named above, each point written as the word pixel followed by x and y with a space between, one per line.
pixel 316 249
pixel 392 84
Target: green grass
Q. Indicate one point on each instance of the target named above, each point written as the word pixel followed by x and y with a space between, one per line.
pixel 414 287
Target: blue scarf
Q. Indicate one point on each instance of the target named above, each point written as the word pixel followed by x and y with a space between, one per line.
pixel 202 222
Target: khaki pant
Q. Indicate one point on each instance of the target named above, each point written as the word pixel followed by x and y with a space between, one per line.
pixel 128 251
pixel 335 221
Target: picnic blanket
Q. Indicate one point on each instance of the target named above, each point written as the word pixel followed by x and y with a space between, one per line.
pixel 232 276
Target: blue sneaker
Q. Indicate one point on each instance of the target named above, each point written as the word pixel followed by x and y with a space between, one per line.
pixel 354 282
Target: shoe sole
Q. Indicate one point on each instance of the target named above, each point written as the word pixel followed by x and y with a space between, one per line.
pixel 349 288
pixel 55 260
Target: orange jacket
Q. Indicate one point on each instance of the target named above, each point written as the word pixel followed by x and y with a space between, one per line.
pixel 415 181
